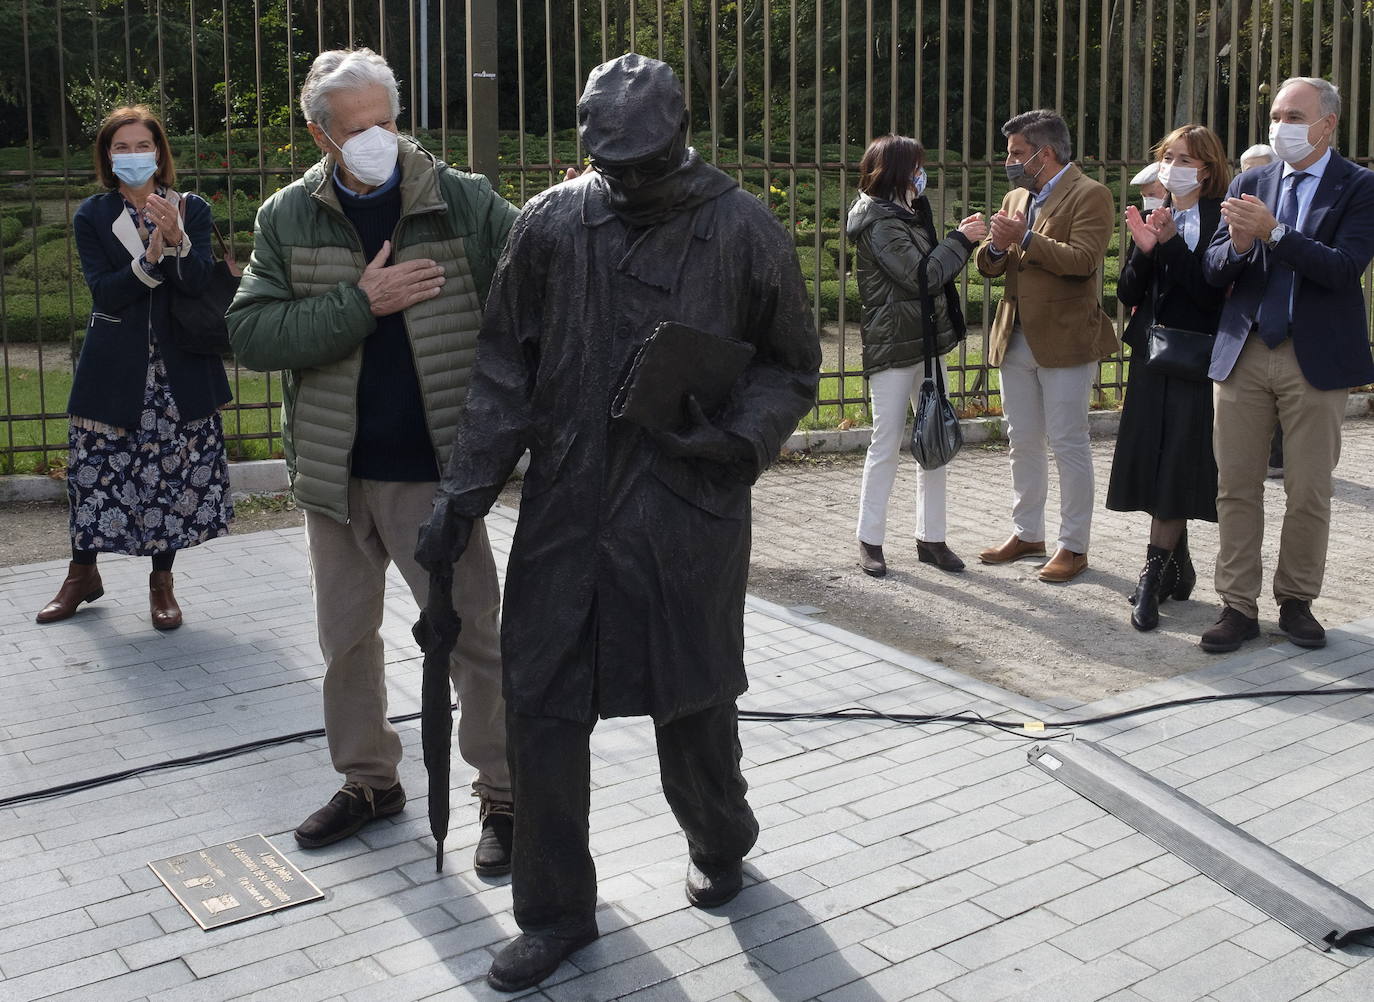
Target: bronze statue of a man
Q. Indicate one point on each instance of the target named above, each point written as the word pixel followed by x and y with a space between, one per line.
pixel 625 587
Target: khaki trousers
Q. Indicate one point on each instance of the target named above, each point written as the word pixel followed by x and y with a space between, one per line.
pixel 1048 406
pixel 1265 386
pixel 348 565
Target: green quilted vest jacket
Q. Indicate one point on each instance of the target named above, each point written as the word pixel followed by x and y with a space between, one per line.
pixel 299 309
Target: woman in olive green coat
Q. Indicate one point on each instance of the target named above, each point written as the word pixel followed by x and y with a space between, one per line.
pixel 891 227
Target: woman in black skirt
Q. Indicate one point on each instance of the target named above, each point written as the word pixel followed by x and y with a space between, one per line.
pixel 1163 462
pixel 147 473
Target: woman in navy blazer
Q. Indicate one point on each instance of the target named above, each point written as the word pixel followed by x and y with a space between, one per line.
pixel 1163 462
pixel 147 473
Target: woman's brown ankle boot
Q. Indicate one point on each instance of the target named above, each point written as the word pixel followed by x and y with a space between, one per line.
pixel 161 602
pixel 82 585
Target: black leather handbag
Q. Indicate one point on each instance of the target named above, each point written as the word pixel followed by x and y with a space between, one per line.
pixel 1172 351
pixel 936 437
pixel 198 323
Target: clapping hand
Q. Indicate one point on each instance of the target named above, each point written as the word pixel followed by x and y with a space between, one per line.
pixel 153 253
pixel 1142 233
pixel 165 216
pixel 973 227
pixel 393 288
pixel 1007 230
pixel 1248 219
pixel 1162 222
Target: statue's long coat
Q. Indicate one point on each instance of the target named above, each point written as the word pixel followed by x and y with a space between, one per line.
pixel 624 593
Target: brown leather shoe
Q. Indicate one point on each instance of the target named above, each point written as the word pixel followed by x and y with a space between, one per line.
pixel 1065 565
pixel 162 603
pixel 81 585
pixel 1014 548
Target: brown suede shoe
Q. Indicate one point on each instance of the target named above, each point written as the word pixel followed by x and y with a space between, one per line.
pixel 1232 629
pixel 1064 566
pixel 1014 548
pixel 162 604
pixel 940 555
pixel 81 585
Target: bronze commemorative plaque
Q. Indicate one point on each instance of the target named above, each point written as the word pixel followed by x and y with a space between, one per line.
pixel 233 881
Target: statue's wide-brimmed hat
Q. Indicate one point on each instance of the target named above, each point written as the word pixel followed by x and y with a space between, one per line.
pixel 631 109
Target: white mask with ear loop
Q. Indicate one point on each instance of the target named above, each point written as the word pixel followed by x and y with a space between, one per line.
pixel 1290 141
pixel 370 156
pixel 1150 202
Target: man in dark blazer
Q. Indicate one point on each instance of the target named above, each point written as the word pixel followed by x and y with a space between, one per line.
pixel 1296 237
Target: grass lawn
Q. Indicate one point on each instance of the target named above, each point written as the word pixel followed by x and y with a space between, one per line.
pixel 21 393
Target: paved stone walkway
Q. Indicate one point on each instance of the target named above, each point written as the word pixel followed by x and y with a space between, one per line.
pixel 897 863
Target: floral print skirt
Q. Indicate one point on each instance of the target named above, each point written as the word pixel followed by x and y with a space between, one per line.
pixel 158 487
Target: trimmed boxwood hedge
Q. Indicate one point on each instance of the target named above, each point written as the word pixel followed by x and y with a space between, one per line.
pixel 54 318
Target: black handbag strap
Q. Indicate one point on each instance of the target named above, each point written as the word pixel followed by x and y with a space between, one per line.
pixel 928 310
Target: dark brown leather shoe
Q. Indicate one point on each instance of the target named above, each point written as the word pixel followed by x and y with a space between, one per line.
pixel 713 886
pixel 492 857
pixel 1297 623
pixel 1014 548
pixel 1064 566
pixel 940 555
pixel 871 560
pixel 352 807
pixel 1232 629
pixel 82 584
pixel 162 603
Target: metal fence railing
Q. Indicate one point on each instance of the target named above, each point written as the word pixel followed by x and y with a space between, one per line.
pixel 785 94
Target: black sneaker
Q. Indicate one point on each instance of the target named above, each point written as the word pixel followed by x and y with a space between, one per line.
pixel 1297 623
pixel 492 857
pixel 1232 629
pixel 352 807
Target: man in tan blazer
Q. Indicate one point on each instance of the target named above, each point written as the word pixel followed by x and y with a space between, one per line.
pixel 1048 240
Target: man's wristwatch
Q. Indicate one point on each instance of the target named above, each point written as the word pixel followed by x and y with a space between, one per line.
pixel 1279 231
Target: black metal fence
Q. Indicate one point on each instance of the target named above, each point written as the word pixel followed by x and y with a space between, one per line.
pixel 785 94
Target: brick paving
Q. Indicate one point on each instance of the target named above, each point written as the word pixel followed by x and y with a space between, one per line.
pixel 894 863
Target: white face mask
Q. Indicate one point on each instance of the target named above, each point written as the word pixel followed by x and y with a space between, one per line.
pixel 370 156
pixel 1178 180
pixel 1149 203
pixel 1290 141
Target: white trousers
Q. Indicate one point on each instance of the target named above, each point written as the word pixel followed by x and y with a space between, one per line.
pixel 893 392
pixel 1043 405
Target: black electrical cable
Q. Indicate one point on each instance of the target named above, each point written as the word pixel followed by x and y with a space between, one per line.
pixel 1038 731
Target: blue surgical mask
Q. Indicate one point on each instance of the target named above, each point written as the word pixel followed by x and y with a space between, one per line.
pixel 134 169
pixel 918 181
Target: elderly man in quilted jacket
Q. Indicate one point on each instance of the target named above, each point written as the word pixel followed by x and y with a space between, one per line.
pixel 366 289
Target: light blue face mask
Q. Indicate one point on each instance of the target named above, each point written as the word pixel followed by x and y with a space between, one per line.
pixel 134 169
pixel 918 180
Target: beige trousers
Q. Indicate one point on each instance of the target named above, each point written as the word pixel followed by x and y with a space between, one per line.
pixel 1265 386
pixel 348 565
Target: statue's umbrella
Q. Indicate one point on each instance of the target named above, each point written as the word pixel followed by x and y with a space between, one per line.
pixel 436 632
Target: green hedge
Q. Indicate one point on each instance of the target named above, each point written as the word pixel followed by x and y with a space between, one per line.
pixel 11 229
pixel 23 249
pixel 55 267
pixel 830 301
pixel 54 318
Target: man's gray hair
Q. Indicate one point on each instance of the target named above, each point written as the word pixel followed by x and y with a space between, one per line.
pixel 344 69
pixel 1042 128
pixel 1327 93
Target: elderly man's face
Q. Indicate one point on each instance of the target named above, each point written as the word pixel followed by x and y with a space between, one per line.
pixel 353 112
pixel 1301 104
